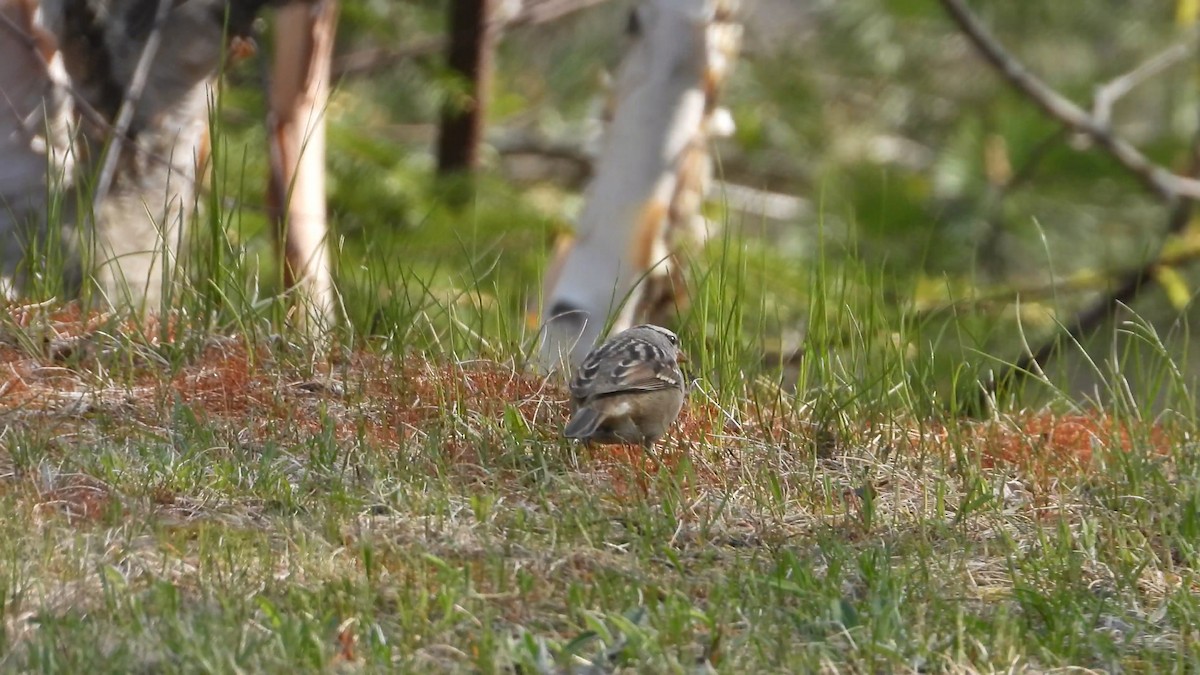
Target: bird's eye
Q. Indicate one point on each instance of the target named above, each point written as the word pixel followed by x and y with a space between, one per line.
pixel 674 339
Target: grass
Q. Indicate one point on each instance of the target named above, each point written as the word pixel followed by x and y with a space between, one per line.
pixel 206 493
pixel 187 501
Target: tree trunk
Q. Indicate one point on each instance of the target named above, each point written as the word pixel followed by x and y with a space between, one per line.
pixel 296 193
pixel 142 71
pixel 643 206
pixel 147 68
pixel 469 55
pixel 35 143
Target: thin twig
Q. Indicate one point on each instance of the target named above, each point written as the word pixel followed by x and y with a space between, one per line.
pixel 1024 173
pixel 1166 185
pixel 132 95
pixel 89 112
pixel 1028 169
pixel 1108 94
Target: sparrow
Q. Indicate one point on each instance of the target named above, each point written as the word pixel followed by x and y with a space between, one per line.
pixel 630 389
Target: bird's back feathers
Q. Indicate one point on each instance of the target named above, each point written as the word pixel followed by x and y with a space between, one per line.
pixel 629 389
pixel 639 359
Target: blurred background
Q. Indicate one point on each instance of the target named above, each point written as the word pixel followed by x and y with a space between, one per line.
pixel 884 190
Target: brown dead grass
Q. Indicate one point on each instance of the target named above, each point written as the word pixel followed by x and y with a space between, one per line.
pixel 77 497
pixel 1043 444
pixel 1064 439
pixel 865 481
pixel 403 400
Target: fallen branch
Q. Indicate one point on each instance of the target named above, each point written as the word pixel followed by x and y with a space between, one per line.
pixel 741 198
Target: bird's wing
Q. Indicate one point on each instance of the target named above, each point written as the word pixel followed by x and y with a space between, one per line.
pixel 625 372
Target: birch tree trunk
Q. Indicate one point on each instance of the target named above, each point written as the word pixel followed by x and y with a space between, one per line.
pixel 143 71
pixel 146 68
pixel 36 129
pixel 296 193
pixel 138 75
pixel 643 204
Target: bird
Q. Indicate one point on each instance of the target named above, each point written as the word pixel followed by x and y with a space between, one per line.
pixel 630 389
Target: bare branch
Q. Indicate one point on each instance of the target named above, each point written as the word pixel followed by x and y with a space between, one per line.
pixel 1167 185
pixel 1108 94
pixel 124 118
pixel 368 61
pixel 1125 290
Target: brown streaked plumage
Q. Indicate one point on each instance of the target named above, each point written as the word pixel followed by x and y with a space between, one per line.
pixel 629 389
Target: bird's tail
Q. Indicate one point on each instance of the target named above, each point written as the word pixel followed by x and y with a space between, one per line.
pixel 583 423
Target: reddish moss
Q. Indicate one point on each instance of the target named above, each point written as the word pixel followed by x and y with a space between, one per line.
pixel 80 498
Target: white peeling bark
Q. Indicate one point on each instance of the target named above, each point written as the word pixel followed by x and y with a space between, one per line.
pixel 653 170
pixel 299 96
pixel 149 105
pixel 36 128
pixel 143 72
pixel 121 58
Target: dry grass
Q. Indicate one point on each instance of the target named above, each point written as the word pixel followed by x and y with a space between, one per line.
pixel 251 507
